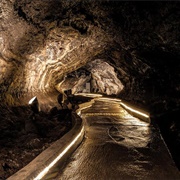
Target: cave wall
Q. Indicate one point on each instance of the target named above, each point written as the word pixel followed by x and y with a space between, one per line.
pixel 150 52
pixel 43 41
pixel 100 76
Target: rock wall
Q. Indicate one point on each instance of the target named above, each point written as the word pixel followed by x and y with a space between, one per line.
pixel 100 76
pixel 43 41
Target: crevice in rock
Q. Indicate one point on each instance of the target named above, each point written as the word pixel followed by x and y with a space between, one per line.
pixel 21 13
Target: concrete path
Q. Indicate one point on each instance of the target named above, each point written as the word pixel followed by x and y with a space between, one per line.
pixel 117 146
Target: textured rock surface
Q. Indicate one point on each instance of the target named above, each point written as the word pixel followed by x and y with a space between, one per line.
pixel 24 135
pixel 98 73
pixel 104 79
pixel 41 47
pixel 41 42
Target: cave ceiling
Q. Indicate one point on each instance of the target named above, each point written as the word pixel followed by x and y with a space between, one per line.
pixel 43 42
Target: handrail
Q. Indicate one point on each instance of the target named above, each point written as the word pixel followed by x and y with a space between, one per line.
pixel 62 148
pixel 136 111
pixel 132 109
pixel 57 152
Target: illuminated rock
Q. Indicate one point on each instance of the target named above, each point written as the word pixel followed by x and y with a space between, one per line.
pixel 104 79
pixel 131 49
pixel 43 41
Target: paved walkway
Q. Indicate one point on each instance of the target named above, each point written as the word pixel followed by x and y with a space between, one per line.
pixel 118 146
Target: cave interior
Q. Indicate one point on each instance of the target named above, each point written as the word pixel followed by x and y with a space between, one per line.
pixel 130 50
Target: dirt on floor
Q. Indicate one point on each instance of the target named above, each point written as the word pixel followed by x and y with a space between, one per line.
pixel 24 135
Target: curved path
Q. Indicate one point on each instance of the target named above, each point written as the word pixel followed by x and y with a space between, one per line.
pixel 117 146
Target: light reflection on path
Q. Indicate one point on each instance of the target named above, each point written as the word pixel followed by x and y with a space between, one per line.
pixel 122 128
pixel 117 146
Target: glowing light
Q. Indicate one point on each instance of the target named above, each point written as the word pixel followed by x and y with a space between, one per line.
pixel 79 113
pixel 103 114
pixel 84 106
pixel 43 172
pixel 110 99
pixel 31 101
pixel 135 111
pixel 88 94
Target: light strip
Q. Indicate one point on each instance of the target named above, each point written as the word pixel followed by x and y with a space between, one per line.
pixel 31 101
pixel 82 108
pixel 138 112
pixel 110 99
pixel 103 114
pixel 88 94
pixel 43 172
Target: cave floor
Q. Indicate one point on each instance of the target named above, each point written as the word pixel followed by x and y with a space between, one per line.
pixel 25 135
pixel 117 146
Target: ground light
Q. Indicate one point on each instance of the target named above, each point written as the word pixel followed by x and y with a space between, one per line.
pixel 32 100
pixel 44 171
pixel 88 94
pixel 133 110
pixel 34 104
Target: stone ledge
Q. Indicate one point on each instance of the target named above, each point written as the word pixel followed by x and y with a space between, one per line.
pixel 57 152
pixel 136 111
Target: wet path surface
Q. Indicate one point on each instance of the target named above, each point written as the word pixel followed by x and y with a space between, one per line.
pixel 118 146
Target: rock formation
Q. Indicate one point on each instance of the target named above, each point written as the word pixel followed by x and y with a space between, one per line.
pixel 51 45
